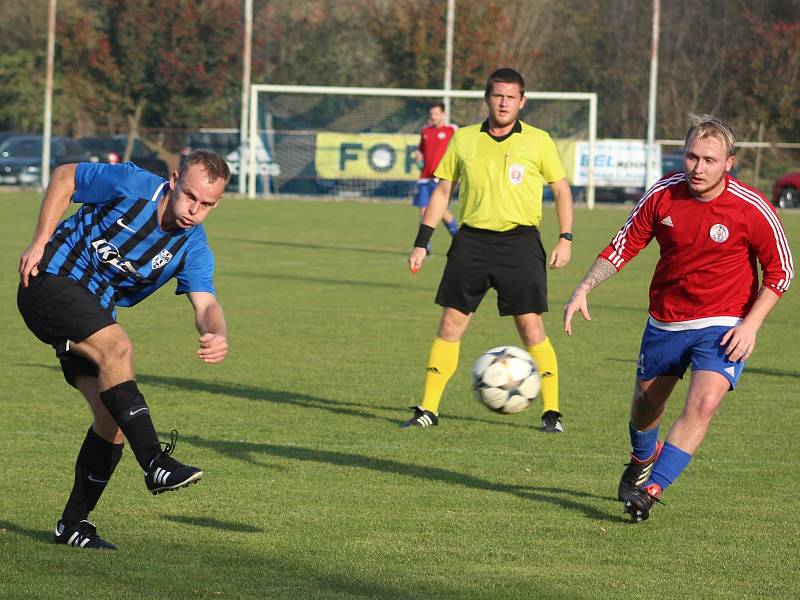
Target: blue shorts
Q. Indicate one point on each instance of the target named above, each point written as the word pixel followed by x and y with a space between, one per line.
pixel 424 191
pixel 671 352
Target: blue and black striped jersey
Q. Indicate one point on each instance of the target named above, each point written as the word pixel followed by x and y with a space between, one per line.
pixel 114 245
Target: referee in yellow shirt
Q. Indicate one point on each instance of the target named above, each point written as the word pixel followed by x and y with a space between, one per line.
pixel 502 165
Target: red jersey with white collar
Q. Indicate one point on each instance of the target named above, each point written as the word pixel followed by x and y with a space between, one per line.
pixel 433 142
pixel 709 249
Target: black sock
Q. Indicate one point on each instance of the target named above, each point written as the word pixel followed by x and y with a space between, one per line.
pixel 96 462
pixel 131 413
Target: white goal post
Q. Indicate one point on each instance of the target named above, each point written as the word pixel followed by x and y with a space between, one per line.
pixel 260 137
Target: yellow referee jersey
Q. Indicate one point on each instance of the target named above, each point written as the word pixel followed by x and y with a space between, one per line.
pixel 501 183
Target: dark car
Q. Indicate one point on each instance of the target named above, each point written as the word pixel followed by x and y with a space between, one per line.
pixel 4 135
pixel 671 162
pixel 112 150
pixel 785 190
pixel 226 143
pixel 21 157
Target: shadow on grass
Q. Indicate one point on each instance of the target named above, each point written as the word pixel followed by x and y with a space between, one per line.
pixel 213 524
pixel 263 394
pixel 318 280
pixel 37 535
pixel 773 372
pixel 307 246
pixel 561 497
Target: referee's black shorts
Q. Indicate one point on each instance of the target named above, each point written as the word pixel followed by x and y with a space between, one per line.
pixel 512 262
pixel 58 310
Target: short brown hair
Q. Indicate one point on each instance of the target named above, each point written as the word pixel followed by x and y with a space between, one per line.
pixel 504 75
pixel 702 126
pixel 213 163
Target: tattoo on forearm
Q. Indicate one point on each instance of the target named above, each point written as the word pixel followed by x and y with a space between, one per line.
pixel 600 271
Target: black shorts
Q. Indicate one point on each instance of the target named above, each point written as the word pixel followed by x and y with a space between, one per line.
pixel 512 262
pixel 58 310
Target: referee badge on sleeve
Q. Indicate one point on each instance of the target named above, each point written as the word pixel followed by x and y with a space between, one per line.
pixel 516 173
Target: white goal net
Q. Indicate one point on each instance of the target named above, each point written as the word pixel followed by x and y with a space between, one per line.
pixel 360 142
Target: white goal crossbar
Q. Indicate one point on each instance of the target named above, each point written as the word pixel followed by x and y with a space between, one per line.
pixel 249 166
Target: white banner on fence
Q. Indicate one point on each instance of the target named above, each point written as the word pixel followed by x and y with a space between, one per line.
pixel 618 163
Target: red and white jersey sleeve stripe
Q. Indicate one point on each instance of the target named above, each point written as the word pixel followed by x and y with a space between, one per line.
pixel 767 238
pixel 639 227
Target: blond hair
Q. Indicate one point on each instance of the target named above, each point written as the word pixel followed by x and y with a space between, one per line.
pixel 702 126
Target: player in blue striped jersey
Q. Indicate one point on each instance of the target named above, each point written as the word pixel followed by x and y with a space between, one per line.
pixel 133 233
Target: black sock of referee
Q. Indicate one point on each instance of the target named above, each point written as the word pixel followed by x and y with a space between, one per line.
pixel 96 462
pixel 126 404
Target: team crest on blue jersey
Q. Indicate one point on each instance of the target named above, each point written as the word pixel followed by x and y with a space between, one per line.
pixel 160 259
pixel 516 173
pixel 718 233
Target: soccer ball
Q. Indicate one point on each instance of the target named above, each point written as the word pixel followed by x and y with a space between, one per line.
pixel 506 379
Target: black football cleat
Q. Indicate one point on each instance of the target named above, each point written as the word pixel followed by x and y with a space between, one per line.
pixel 639 504
pixel 636 474
pixel 165 474
pixel 81 535
pixel 421 418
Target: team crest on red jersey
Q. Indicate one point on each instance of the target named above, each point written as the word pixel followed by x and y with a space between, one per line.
pixel 718 233
pixel 516 173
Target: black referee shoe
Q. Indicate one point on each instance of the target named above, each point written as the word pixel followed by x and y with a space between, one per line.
pixel 551 422
pixel 421 418
pixel 82 535
pixel 165 474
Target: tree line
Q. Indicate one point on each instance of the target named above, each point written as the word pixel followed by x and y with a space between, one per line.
pixel 121 66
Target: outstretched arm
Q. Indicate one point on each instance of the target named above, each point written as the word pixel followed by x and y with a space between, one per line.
pixel 598 273
pixel 210 322
pixel 55 203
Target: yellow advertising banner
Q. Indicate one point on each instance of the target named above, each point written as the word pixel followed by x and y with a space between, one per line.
pixel 387 156
pixel 367 156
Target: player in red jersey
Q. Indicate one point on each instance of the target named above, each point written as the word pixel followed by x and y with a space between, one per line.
pixel 433 141
pixel 706 303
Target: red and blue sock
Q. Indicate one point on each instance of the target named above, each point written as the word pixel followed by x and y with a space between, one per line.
pixel 671 462
pixel 643 442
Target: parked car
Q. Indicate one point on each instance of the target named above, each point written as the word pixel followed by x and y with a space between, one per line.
pixel 112 150
pixel 226 144
pixel 21 157
pixel 671 162
pixel 4 135
pixel 785 190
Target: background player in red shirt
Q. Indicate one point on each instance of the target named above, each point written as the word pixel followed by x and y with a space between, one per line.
pixel 706 304
pixel 433 141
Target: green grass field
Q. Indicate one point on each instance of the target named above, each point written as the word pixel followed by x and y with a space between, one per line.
pixel 310 488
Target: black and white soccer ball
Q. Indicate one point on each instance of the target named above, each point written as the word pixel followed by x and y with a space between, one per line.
pixel 506 379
